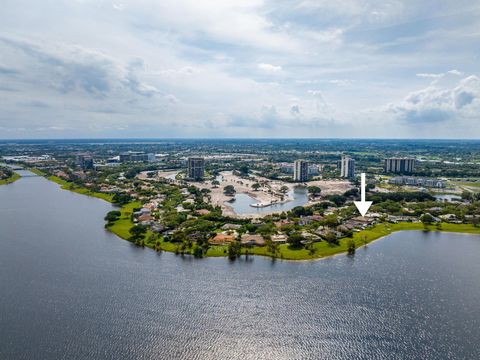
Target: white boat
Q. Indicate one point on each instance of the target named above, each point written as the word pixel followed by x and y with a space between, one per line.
pixel 260 205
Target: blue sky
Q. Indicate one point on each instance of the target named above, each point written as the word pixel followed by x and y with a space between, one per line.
pixel 250 68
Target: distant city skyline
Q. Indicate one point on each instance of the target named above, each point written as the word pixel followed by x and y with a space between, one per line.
pixel 239 69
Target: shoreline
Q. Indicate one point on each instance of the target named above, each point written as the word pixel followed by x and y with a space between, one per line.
pixel 323 250
pixel 11 179
pixel 67 185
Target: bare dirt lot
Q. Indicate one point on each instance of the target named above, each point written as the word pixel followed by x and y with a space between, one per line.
pixel 270 191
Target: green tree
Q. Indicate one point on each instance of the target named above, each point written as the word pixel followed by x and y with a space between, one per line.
pixel 314 190
pixel 331 238
pixel 197 251
pixel 475 221
pixel 427 219
pixel 351 246
pixel 330 220
pixel 243 170
pixel 295 239
pixel 121 199
pixel 229 190
pixel 256 186
pixel 272 247
pixel 298 211
pixel 112 216
pixel 234 250
pixel 137 232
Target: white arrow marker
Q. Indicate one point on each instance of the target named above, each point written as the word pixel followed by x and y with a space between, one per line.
pixel 363 205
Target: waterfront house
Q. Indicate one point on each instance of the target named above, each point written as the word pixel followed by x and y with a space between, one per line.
pixel 362 221
pixel 158 228
pixel 279 239
pixel 306 220
pixel 451 218
pixel 145 217
pixel 142 211
pixel 309 236
pixel 396 219
pixel 231 227
pixel 222 239
pixel 283 222
pixel 472 218
pixel 252 239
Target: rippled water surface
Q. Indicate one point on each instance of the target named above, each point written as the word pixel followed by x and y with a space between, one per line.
pixel 68 289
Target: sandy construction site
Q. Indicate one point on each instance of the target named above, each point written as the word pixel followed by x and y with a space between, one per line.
pixel 270 191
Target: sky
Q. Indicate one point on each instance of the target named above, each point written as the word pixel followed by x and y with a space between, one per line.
pixel 242 69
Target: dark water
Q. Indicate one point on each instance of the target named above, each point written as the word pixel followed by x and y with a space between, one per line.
pixel 70 290
pixel 242 203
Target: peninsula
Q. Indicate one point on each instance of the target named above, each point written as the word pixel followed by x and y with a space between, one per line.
pixel 258 203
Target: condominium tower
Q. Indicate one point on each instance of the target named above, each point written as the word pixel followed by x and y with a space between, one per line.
pixel 196 168
pixel 347 167
pixel 400 165
pixel 300 170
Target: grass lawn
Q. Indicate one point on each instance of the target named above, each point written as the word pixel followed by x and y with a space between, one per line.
pixel 472 184
pixel 66 185
pixel 10 179
pixel 122 226
pixel 321 249
pixel 36 171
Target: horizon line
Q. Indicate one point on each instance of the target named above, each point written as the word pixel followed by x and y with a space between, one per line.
pixel 234 138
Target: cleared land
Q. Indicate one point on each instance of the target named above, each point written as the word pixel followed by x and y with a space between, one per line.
pixel 269 191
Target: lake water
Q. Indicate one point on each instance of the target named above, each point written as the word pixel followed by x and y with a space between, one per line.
pixel 71 290
pixel 242 203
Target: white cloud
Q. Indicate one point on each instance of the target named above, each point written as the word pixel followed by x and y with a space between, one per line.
pixel 439 104
pixel 455 72
pixel 269 67
pixel 180 67
pixel 341 82
pixel 430 76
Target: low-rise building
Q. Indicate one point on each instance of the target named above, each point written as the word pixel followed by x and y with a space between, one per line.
pixel 279 238
pixel 396 219
pixel 222 239
pixel 252 239
pixel 145 217
pixel 231 227
pixel 416 181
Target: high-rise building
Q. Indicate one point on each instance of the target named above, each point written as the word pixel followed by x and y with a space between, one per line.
pixel 313 170
pixel 85 161
pixel 151 157
pixel 347 167
pixel 400 165
pixel 196 168
pixel 300 170
pixel 134 156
